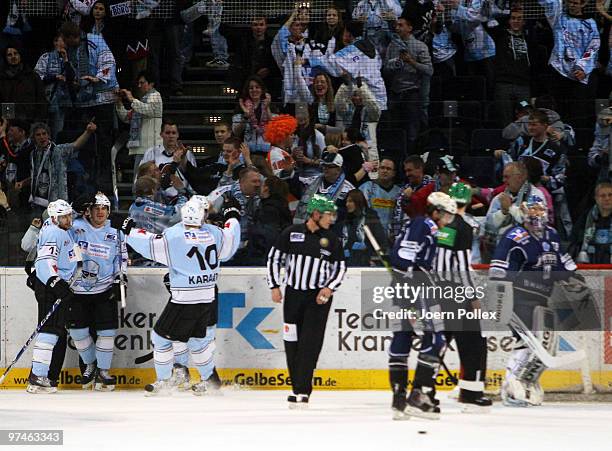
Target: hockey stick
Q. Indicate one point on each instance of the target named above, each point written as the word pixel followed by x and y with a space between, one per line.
pixel 377 248
pixel 536 347
pixel 54 307
pixel 121 273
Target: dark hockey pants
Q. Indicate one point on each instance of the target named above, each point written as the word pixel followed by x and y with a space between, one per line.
pixel 303 334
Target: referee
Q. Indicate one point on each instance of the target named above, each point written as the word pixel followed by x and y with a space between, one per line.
pixel 314 268
pixel 453 264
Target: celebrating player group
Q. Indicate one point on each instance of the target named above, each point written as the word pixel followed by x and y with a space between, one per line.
pixel 79 281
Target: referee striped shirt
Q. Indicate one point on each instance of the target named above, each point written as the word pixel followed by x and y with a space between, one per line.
pixel 452 262
pixel 312 260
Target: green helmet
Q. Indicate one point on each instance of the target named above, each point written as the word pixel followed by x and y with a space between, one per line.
pixel 460 193
pixel 320 203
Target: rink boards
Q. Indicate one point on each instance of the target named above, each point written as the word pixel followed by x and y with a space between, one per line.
pixel 249 337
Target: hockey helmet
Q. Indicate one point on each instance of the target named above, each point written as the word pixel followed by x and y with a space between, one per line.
pixel 442 201
pixel 535 214
pixel 460 193
pixel 322 204
pixel 59 208
pixel 202 201
pixel 193 214
pixel 101 199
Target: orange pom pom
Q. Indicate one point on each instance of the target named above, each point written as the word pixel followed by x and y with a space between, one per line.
pixel 279 128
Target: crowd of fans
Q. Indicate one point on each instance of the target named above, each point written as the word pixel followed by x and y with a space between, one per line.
pixel 314 101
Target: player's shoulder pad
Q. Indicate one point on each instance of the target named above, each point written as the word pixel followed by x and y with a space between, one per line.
pixel 518 234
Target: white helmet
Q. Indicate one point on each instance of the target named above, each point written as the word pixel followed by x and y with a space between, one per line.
pixel 193 214
pixel 202 200
pixel 59 208
pixel 101 199
pixel 442 201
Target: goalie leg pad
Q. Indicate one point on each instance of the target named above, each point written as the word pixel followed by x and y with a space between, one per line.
pixel 499 299
pixel 545 330
pixel 521 386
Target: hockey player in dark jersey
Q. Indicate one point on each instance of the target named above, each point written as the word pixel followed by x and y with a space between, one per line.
pixel 530 258
pixel 412 259
pixel 453 265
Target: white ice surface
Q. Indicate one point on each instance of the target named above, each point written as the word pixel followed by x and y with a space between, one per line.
pixel 254 420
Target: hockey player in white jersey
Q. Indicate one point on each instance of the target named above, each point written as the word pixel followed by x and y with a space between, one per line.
pixel 56 263
pixel 193 251
pixel 94 305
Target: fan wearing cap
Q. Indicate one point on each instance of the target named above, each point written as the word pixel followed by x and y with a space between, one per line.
pixel 529 256
pixel 94 306
pixel 332 184
pixel 193 251
pixel 55 265
pixel 314 265
pixel 453 266
pixel 412 259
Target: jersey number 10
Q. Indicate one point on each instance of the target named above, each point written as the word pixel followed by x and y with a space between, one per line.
pixel 209 260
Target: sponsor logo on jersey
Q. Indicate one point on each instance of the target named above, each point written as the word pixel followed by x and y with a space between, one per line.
pixel 153 211
pixel 446 236
pixel 110 237
pixel 297 237
pixel 325 252
pixel 519 235
pixel 549 258
pixel 198 236
pixel 72 256
pixel 95 250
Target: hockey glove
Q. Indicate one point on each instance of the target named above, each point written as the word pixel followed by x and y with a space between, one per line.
pixel 167 282
pixel 230 208
pixel 116 293
pixel 59 287
pixel 127 225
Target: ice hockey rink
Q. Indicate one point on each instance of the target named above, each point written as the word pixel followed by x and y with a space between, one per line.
pixel 254 420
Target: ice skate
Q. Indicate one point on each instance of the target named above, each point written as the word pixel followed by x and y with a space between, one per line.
pixel 420 405
pixel 474 402
pixel 180 378
pixel 39 384
pixel 159 388
pixel 398 405
pixel 89 375
pixel 297 402
pixel 205 388
pixel 104 381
